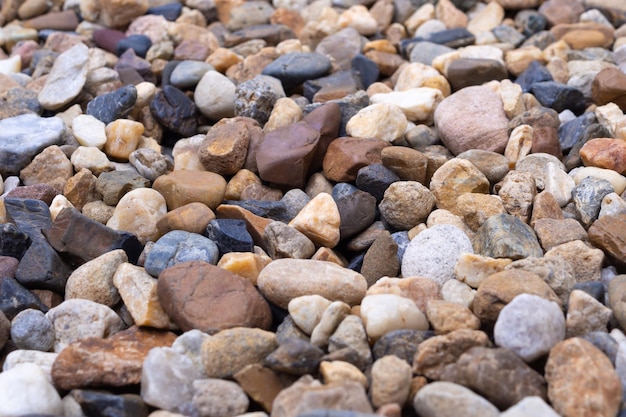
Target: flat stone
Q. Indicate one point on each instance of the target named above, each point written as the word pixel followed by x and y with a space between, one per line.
pixel 66 78
pixel 530 406
pixel 295 357
pixel 294 68
pixel 114 105
pixel 284 241
pixel 553 232
pixel 15 298
pixel 285 279
pixel 381 259
pixel 230 235
pixel 473 269
pixel 179 246
pixel 445 398
pixel 447 316
pixel 120 359
pixel 184 289
pixel 175 111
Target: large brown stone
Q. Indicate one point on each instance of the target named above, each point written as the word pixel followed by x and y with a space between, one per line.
pixel 198 295
pixel 582 381
pixel 605 153
pixel 325 119
pixel 225 147
pixel 609 234
pixel 346 155
pixel 500 288
pixel 184 187
pixel 285 154
pixel 408 163
pixel 116 361
pixel 609 86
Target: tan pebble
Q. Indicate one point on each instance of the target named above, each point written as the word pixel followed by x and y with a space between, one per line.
pixel 358 17
pixel 447 316
pixel 242 179
pixel 391 381
pixel 473 268
pixel 511 95
pixel 476 208
pixel 89 131
pixel 244 264
pixel 184 187
pixel 340 371
pixel 59 202
pixel 383 121
pixel 330 320
pixel 91 158
pixel 423 14
pixel 585 314
pixel 192 217
pixel 419 289
pixel 519 144
pixel 285 112
pixel 122 138
pixel 93 280
pixel 81 189
pixel 456 177
pixel 319 221
pixel 222 59
pixel 486 19
pixel 382 313
pixel 98 211
pixel 138 212
pixel 185 154
pixel 329 255
pixel 382 45
pixel 517 60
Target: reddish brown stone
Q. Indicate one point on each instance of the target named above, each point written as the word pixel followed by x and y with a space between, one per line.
pixel 260 192
pixel 609 86
pixel 583 35
pixel 289 18
pixel 225 147
pixel 545 207
pixel 345 156
pixel 198 295
pixel 192 217
pixel 43 192
pixel 183 187
pixel 116 361
pixel 609 234
pixel 50 298
pixel 545 123
pixel 192 50
pixel 387 63
pixel 81 189
pixel 605 153
pixel 325 119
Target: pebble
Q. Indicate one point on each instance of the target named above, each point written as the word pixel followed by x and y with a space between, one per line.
pixel 434 253
pixel 294 68
pixel 17 382
pixel 530 336
pixel 66 78
pixel 585 314
pixel 532 405
pixel 495 239
pixel 455 178
pixel 138 212
pixel 379 120
pixel 214 94
pixel 114 105
pixel 443 399
pixel 391 381
pixel 406 204
pixel 179 246
pixel 31 330
pixel 94 279
pixel 382 313
pixel 319 220
pixel 219 398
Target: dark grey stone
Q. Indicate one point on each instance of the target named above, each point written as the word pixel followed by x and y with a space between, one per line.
pixel 530 21
pixel 15 298
pixel 114 105
pixel 559 96
pixel 375 179
pixel 294 200
pixel 366 69
pixel 605 342
pixel 344 79
pixel 508 34
pixel 506 236
pixel 13 242
pixel 32 330
pixel 295 357
pixel 104 404
pixel 138 43
pixel 271 34
pixel 169 11
pixel 593 288
pixel 294 68
pixel 230 235
pixel 357 209
pixel 571 132
pixel 401 343
pixel 535 73
pixel 275 210
pixel 587 196
pixel 175 111
pixel 179 246
pixel 113 185
pixel 424 52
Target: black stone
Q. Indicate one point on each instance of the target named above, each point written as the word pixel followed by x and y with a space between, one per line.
pixel 166 74
pixel 465 72
pixel 15 298
pixel 169 11
pixel 595 130
pixel 104 404
pixel 454 38
pixel 138 43
pixel 605 342
pixel 571 132
pixel 356 263
pixel 559 96
pixel 375 179
pixel 535 73
pixel 593 288
pixel 175 111
pixel 129 60
pixel 530 21
pixel 357 209
pixel 275 210
pixel 271 34
pixel 76 234
pixel 401 343
pixel 13 242
pixel 366 69
pixel 341 78
pixel 464 5
pixel 114 105
pixel 295 357
pixel 294 68
pixel 41 266
pixel 230 235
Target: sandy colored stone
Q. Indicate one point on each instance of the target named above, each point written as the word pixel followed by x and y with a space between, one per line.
pixel 122 138
pixel 245 264
pixel 94 279
pixel 192 217
pixel 339 371
pixel 586 262
pixel 138 212
pixel 454 178
pixel 476 208
pixel 260 383
pixel 383 121
pixel 81 189
pixel 51 167
pixel 447 316
pixel 419 289
pixel 183 187
pixel 319 221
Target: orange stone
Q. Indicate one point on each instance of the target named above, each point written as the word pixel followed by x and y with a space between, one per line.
pixel 605 153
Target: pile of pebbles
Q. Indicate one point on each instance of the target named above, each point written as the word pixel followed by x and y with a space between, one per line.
pixel 328 208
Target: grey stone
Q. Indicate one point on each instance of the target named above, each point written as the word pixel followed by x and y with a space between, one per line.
pixel 188 73
pixel 506 236
pixel 587 197
pixel 219 398
pixel 66 78
pixel 179 246
pixel 284 241
pixel 445 399
pixel 255 98
pixel 31 330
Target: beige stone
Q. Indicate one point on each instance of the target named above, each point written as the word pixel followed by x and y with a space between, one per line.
pixel 244 264
pixel 517 60
pixel 319 221
pixel 519 145
pixel 391 381
pixel 454 178
pixel 383 121
pixel 419 289
pixel 184 187
pixel 486 19
pixel 472 269
pixel 94 279
pixel 138 212
pixel 339 371
pixel 586 262
pixel 285 112
pixel 476 208
pixel 585 314
pixel 122 138
pixel 447 316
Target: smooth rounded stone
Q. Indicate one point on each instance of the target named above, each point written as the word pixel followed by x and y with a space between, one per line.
pixel 406 204
pixel 283 241
pixel 307 395
pixel 465 72
pixel 175 111
pixel 188 73
pixel 559 96
pixel 447 316
pixel 138 291
pixel 454 178
pixel 444 399
pixel 16 387
pixel 612 205
pixel 357 209
pixel 330 320
pixel 285 279
pixel 294 68
pixel 76 319
pixel 92 159
pixel 167 379
pixel 530 406
pixel 184 293
pixel 580 377
pixel 472 118
pixel 409 164
pixel 530 326
pixel 44 360
pixel 138 43
pixel 178 246
pixel 123 137
pixel 391 381
pixel 347 155
pixel 417 104
pixel 31 330
pixel 499 375
pixel 419 289
pixel 616 290
pixel 506 236
pixel 255 98
pixel 66 78
pixel 585 314
pixel 608 86
pixel 245 264
pixel 23 137
pixel 319 221
pixel 499 289
pixel 94 279
pixel 307 310
pixel 214 94
pixel 380 120
pixel 138 212
pixel 607 234
pixel 492 164
pixel 435 252
pixel 183 187
pixel 114 105
pixel 458 292
pixel 382 313
pixel 231 350
pixel 294 357
pixel 587 196
pixel 340 371
pixel 219 398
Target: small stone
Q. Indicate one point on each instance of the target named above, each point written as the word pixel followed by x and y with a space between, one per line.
pixel 319 221
pixel 340 371
pixel 529 326
pixel 476 208
pixel 122 138
pixel 295 357
pixel 115 361
pixel 175 111
pixel 94 280
pixel 31 330
pixel 245 264
pixel 499 289
pixel 444 399
pixel 215 95
pixel 492 164
pixel 230 351
pixel 307 310
pixel 66 78
pixel 255 98
pixel 381 259
pixel 586 262
pixel 608 87
pixel 454 178
pixel 230 235
pixel 285 279
pixel 382 313
pixel 93 402
pixel 178 246
pixel 434 253
pixel 5 329
pixel 585 314
pixel 391 381
pixel 606 234
pixel 559 96
pixel 76 319
pixel 90 158
pixel 114 105
pixel 51 167
pixel 375 179
pixel 138 291
pixel 612 204
pixel 283 241
pixel 505 236
pixel 553 232
pixel 225 147
pixel 150 163
pixel 419 289
pixel 616 290
pixel 357 209
pixel 138 212
pixel 294 68
pixel 573 364
pixel 616 180
pixel 383 121
pixel 260 383
pixel 183 187
pixel 406 204
pixel 517 191
pixel 15 386
pixel 183 292
pixel 347 155
pixel 446 316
